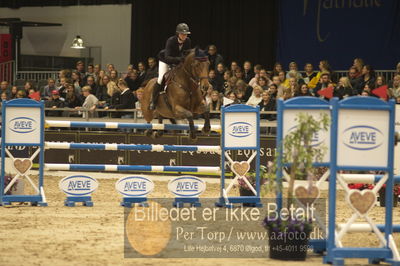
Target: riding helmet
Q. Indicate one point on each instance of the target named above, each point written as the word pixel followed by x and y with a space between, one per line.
pixel 182 28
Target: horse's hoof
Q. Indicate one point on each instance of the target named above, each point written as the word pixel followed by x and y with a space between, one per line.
pixel 148 133
pixel 192 138
pixel 159 134
pixel 206 130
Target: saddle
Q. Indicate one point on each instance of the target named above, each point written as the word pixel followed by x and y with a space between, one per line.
pixel 167 79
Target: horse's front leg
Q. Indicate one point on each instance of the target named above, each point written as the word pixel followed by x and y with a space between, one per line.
pixel 183 113
pixel 206 115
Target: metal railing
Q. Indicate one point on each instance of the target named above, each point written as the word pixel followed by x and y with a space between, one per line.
pixel 36 75
pixel 7 71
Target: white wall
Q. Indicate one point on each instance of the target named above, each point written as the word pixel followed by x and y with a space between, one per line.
pixel 108 26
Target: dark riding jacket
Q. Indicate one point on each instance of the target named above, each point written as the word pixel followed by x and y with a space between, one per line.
pixel 171 55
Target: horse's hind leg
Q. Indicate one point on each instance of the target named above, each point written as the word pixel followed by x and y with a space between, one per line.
pixel 148 132
pixel 159 133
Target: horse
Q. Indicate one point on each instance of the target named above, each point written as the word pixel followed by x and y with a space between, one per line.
pixel 183 96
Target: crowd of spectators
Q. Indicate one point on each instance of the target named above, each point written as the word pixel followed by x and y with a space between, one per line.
pixel 93 88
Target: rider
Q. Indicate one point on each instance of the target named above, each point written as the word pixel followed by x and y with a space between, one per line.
pixel 171 56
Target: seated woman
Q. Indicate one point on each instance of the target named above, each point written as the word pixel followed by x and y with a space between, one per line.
pixel 256 98
pixel 215 103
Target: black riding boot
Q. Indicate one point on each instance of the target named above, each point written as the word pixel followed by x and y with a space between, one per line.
pixel 154 97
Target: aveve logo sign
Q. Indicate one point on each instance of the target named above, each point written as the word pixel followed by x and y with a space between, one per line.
pixel 362 137
pixel 240 129
pixel 187 186
pixel 134 186
pixel 78 185
pixel 22 125
pixel 317 139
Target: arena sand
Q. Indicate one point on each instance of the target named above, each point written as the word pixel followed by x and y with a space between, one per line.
pixel 58 235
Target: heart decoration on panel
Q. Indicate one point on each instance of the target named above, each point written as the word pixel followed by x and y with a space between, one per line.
pixel 305 195
pixel 361 201
pixel 22 166
pixel 240 168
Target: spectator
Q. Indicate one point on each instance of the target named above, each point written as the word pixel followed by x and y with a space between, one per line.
pixel 287 94
pixel 80 68
pixel 96 72
pixel 216 83
pixel 51 85
pixel 240 97
pixel 64 73
pixel 256 98
pixel 99 81
pixel 262 82
pixel 220 71
pixel 395 87
pixel 282 77
pixel 226 86
pixel 141 71
pixel 257 69
pixel 231 85
pixel 294 70
pixel 54 102
pixel 293 85
pixel 72 99
pixel 309 73
pixel 4 88
pixel 152 71
pixel 63 87
pixel 215 103
pixel 277 68
pixel 126 99
pixel 77 81
pixel 34 95
pixel 380 81
pixel 101 93
pixel 138 105
pixel 277 81
pixel 239 73
pixel 234 67
pixel 303 91
pixel 245 89
pixel 90 71
pixel 354 80
pixel 209 91
pixel 344 89
pixel 132 80
pixel 273 91
pixel 323 83
pixel 268 103
pixel 21 94
pixel 13 92
pixel 367 78
pixel 248 73
pixel 358 63
pixel 28 85
pixel 3 96
pixel 114 76
pixel 365 93
pixel 214 57
pixel 90 103
pixel 90 82
pixel 110 67
pixel 324 67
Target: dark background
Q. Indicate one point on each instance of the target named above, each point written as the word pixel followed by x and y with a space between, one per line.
pixel 241 30
pixel 265 31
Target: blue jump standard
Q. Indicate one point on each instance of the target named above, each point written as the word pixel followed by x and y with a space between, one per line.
pixel 70 201
pixel 36 200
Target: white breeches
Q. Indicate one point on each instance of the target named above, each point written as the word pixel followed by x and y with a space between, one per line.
pixel 162 69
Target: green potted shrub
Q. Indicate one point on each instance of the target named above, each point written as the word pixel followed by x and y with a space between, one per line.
pixel 288 238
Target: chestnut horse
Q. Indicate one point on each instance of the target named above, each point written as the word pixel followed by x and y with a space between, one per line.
pixel 183 96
